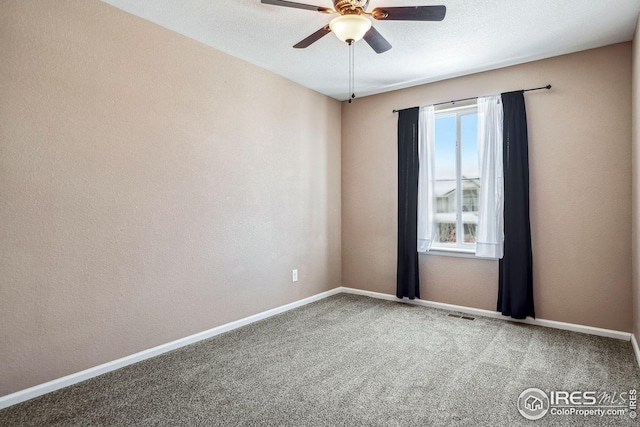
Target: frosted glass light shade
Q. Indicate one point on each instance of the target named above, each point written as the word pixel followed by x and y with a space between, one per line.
pixel 350 27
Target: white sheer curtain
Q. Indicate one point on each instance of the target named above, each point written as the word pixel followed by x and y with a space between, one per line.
pixel 490 232
pixel 426 196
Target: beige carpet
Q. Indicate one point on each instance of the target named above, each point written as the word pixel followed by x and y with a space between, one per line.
pixel 348 361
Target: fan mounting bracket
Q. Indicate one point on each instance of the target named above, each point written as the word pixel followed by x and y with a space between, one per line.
pixel 379 14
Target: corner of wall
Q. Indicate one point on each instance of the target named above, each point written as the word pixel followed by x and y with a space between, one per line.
pixel 635 184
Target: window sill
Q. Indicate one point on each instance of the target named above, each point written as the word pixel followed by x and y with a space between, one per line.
pixel 459 253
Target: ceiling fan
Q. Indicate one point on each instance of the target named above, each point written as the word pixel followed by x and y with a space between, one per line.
pixel 353 23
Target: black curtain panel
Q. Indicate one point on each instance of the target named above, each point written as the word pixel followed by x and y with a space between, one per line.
pixel 408 283
pixel 515 295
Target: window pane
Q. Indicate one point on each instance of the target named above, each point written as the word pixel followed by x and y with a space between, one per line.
pixel 470 175
pixel 445 179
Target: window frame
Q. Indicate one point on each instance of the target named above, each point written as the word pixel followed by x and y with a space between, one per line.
pixel 459 248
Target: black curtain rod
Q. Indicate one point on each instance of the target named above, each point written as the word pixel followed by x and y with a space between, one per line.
pixel 475 97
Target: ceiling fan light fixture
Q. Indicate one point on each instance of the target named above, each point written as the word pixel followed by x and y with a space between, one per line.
pixel 350 27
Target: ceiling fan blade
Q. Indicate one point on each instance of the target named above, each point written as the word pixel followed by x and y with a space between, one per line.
pixel 313 37
pixel 410 13
pixel 376 41
pixel 297 5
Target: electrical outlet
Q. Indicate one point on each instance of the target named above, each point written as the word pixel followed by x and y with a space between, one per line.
pixel 294 275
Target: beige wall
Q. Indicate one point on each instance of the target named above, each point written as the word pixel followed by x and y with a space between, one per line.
pixel 635 149
pixel 580 169
pixel 150 188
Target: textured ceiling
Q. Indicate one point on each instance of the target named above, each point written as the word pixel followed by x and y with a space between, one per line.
pixel 475 36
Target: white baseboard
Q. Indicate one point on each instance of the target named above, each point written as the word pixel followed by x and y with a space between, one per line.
pixel 625 336
pixel 636 350
pixel 48 387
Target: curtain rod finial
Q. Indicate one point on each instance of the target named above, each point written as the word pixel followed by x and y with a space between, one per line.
pixel 548 86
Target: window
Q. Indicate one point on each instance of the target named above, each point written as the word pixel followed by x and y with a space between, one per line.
pixel 456 178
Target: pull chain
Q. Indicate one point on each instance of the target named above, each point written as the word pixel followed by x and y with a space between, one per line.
pixel 351 70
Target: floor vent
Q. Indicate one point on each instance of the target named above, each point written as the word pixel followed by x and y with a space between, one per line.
pixel 460 316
